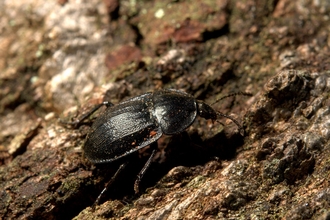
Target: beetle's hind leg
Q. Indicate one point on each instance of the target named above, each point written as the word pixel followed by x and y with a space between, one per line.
pixel 145 167
pixel 121 168
pixel 79 121
pixel 108 184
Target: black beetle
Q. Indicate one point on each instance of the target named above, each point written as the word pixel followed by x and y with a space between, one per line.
pixel 140 121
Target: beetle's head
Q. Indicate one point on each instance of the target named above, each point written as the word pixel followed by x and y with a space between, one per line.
pixel 206 111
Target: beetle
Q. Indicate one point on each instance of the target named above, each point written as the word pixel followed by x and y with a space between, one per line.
pixel 140 121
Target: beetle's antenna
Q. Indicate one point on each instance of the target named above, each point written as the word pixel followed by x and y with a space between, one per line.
pixel 233 94
pixel 229 117
pixel 234 120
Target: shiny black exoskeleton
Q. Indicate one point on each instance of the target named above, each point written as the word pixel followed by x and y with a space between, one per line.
pixel 140 121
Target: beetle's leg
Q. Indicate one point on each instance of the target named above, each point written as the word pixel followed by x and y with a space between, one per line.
pixel 234 120
pixel 108 184
pixel 144 169
pixel 77 122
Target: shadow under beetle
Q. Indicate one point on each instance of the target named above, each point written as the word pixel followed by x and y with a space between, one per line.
pixel 140 121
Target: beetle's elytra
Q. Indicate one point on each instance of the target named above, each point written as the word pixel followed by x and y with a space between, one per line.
pixel 140 121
